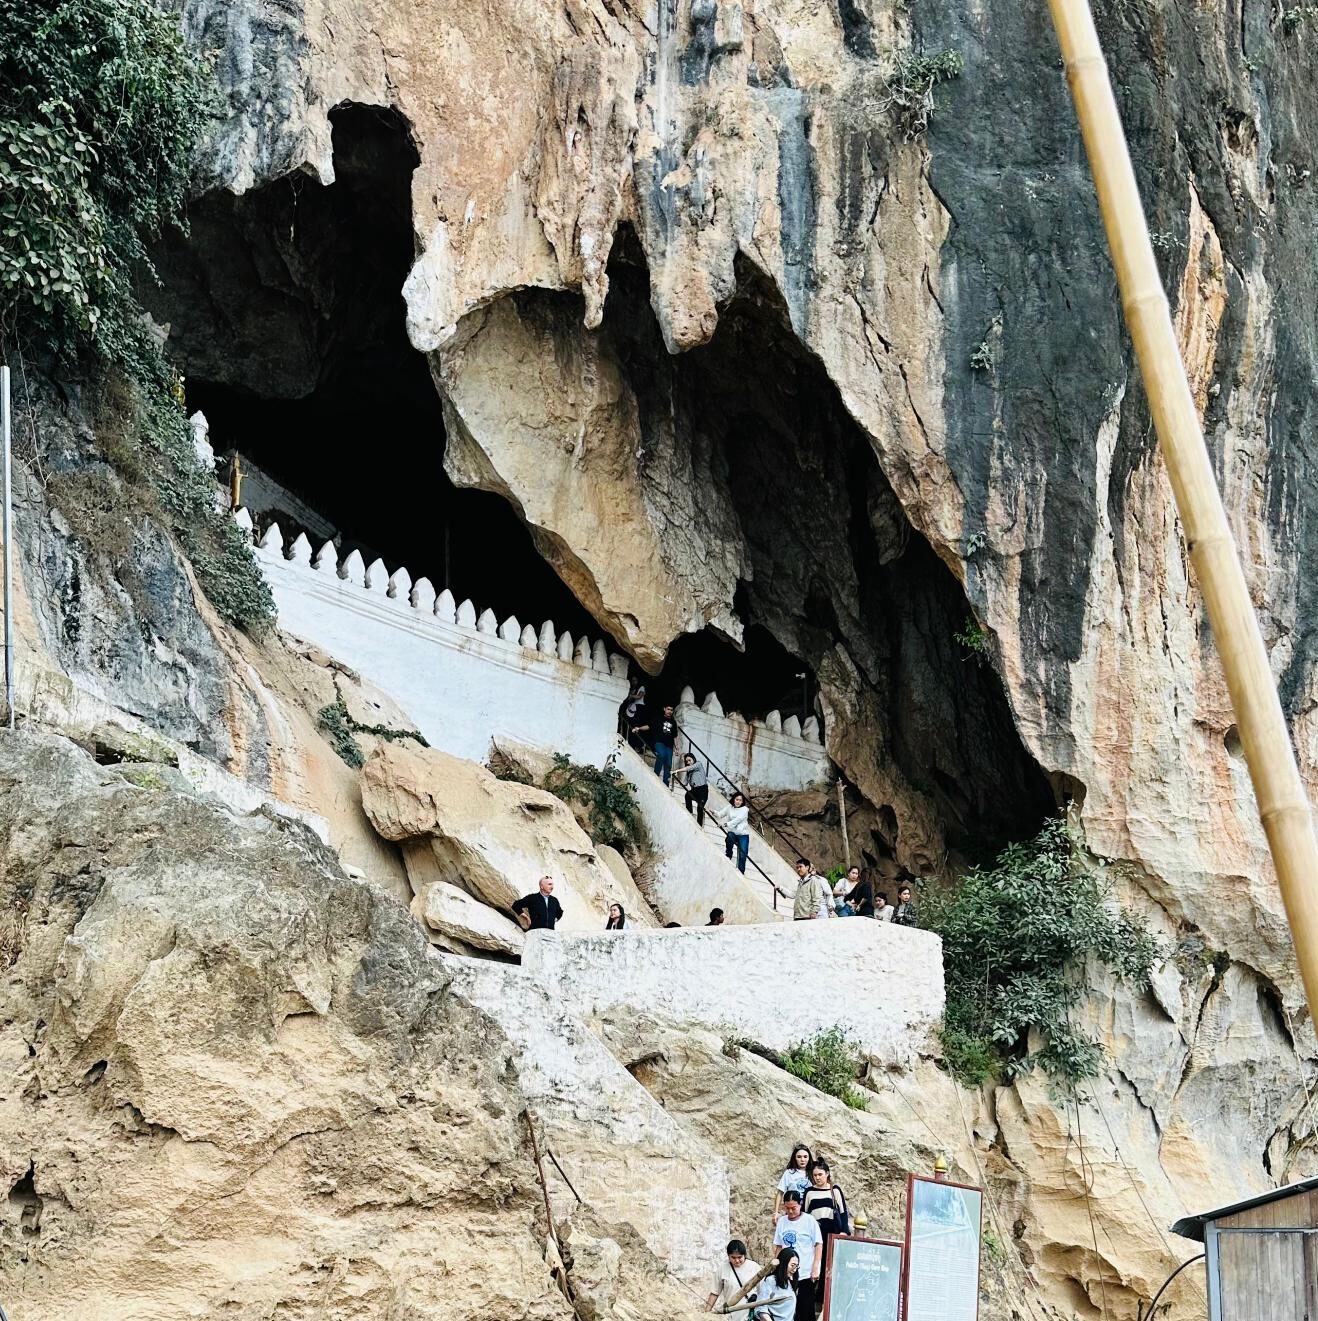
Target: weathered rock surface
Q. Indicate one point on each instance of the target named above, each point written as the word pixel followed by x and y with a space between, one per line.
pixel 238 1083
pixel 492 838
pixel 453 912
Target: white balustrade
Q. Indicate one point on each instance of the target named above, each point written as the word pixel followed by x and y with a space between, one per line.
pixel 300 551
pixel 467 614
pixel 528 638
pixel 565 647
pixel 581 654
pixel 548 645
pixel 327 560
pixel 354 569
pixel 446 610
pixel 423 596
pixel 487 623
pixel 511 630
pixel 272 542
pixel 400 586
pixel 377 577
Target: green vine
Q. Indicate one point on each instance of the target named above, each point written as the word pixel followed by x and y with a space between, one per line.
pixel 973 637
pixel 615 816
pixel 1016 939
pixel 102 104
pixel 909 87
pixel 337 724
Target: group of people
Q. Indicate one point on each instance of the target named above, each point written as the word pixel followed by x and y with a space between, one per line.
pixel 851 895
pixel 808 1209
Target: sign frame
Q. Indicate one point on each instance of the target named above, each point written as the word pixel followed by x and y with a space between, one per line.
pixel 911 1181
pixel 864 1238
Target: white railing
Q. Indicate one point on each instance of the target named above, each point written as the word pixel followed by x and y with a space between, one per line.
pixel 460 673
pixel 771 753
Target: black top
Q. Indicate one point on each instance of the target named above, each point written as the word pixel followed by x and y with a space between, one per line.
pixel 861 898
pixel 665 731
pixel 544 910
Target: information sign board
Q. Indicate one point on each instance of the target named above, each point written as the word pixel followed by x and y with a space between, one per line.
pixel 864 1279
pixel 942 1250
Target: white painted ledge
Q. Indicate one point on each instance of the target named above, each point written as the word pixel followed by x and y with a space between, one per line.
pixel 883 984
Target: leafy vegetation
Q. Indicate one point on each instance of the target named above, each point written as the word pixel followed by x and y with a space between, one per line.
pixel 336 723
pixel 101 107
pixel 830 1063
pixel 1016 939
pixel 973 637
pixel 982 358
pixel 615 817
pixel 909 87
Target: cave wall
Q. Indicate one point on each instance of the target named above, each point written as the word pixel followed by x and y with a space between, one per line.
pixel 734 138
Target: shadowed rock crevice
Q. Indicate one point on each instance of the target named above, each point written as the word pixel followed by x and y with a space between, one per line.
pixel 746 446
pixel 286 316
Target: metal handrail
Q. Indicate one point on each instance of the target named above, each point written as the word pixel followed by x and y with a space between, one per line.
pixel 624 732
pixel 762 822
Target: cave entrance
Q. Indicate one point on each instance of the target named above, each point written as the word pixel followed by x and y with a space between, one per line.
pixel 839 586
pixel 287 317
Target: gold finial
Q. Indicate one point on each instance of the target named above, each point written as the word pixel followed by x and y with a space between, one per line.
pixel 940 1168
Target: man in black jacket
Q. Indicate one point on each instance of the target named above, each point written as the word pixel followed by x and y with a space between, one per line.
pixel 539 912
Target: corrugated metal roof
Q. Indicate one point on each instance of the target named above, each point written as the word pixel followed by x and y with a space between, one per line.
pixel 1193 1226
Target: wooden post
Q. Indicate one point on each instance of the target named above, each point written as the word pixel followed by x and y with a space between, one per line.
pixel 1282 801
pixel 235 483
pixel 842 816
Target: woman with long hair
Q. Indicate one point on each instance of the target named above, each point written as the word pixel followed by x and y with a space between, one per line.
pixel 774 1300
pixel 737 829
pixel 795 1176
pixel 617 918
pixel 824 1200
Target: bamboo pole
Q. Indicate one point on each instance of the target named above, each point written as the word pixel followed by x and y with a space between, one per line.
pixel 1282 801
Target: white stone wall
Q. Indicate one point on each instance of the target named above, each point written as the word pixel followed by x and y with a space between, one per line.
pixel 772 753
pixel 778 983
pixel 463 676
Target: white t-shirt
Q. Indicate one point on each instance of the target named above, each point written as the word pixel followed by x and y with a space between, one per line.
pixel 794 1178
pixel 804 1235
pixel 884 914
pixel 724 1282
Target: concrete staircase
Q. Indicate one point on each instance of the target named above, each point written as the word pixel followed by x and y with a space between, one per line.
pixel 692 874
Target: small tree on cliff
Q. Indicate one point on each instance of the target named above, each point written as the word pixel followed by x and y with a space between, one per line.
pixel 1017 938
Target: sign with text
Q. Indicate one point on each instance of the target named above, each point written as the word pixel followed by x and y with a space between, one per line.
pixel 942 1250
pixel 864 1281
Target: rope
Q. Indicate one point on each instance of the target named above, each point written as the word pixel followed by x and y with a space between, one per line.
pixel 1025 1299
pixel 1116 1146
pixel 1304 1083
pixel 1088 1185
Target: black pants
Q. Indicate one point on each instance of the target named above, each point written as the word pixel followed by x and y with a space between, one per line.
pixel 699 796
pixel 805 1299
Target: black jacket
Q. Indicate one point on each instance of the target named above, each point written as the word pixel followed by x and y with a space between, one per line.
pixel 543 910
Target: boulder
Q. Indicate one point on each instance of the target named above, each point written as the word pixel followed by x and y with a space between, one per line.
pixel 492 838
pixel 455 913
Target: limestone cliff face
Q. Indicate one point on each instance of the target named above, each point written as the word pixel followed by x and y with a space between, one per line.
pixel 789 365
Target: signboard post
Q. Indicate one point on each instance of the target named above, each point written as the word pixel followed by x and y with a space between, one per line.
pixel 862 1279
pixel 942 1250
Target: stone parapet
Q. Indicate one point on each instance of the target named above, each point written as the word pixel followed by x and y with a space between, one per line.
pixel 882 984
pixel 771 753
pixel 461 674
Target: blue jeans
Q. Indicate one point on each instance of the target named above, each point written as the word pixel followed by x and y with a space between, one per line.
pixel 742 843
pixel 663 760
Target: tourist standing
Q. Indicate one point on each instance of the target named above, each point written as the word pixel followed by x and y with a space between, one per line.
pixel 665 735
pixel 730 1277
pixel 795 1176
pixel 825 1201
pixel 539 911
pixel 802 1234
pixel 861 897
pixel 813 897
pixel 636 717
pixel 695 780
pixel 617 918
pixel 737 830
pixel 905 915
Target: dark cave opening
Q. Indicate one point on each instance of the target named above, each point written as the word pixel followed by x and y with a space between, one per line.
pixel 836 566
pixel 288 320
